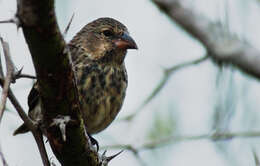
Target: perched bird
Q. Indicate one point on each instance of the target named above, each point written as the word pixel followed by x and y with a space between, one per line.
pixel 98 52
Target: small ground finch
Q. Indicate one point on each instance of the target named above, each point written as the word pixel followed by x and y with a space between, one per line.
pixel 98 52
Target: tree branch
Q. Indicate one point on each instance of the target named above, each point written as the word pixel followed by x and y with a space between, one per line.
pixel 166 76
pixel 12 20
pixel 8 78
pixel 57 85
pixel 256 159
pixel 5 83
pixel 33 127
pixel 220 44
pixel 3 157
pixel 18 74
pixel 217 136
pixel 24 76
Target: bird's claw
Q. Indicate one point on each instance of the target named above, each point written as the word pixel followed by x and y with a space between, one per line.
pixel 61 122
pixel 93 141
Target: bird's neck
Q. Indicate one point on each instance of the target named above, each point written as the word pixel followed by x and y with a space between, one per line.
pixel 115 57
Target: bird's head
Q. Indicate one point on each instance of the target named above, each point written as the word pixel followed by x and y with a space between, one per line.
pixel 105 39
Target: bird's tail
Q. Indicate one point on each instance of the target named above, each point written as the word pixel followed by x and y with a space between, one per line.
pixel 21 130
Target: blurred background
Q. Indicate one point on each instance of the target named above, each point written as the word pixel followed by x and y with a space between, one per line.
pixel 174 127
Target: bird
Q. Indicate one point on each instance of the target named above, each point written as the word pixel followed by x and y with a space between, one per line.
pixel 98 52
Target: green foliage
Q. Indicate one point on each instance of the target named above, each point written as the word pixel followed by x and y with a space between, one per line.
pixel 164 124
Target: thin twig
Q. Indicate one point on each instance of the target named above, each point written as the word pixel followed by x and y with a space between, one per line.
pixel 8 78
pixel 11 96
pixel 128 147
pixel 25 76
pixel 14 20
pixel 167 74
pixel 39 140
pixel 19 109
pixel 18 74
pixel 68 26
pixel 3 158
pixel 29 123
pixel 139 159
pixel 8 92
pixel 7 21
pixel 257 163
pixel 165 141
pixel 223 46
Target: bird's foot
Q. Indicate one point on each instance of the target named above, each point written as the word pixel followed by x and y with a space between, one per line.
pixel 93 141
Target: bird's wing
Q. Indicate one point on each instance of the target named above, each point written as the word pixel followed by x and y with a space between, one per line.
pixel 33 102
pixel 34 97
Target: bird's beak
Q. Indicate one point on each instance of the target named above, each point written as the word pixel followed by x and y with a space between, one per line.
pixel 125 42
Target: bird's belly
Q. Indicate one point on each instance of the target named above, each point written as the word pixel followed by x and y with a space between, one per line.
pixel 99 115
pixel 102 93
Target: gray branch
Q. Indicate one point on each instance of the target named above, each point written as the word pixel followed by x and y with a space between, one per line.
pixel 166 76
pixel 220 44
pixel 216 136
pixel 7 92
pixel 8 78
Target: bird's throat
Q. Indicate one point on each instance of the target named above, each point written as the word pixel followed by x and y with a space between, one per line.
pixel 115 57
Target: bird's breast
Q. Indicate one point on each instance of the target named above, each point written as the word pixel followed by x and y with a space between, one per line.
pixel 102 90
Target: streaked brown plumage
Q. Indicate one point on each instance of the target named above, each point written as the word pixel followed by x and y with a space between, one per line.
pixel 98 52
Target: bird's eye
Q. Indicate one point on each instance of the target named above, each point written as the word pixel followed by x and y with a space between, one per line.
pixel 107 33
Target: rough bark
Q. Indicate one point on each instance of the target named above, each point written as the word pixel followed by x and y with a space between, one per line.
pixel 220 44
pixel 57 83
